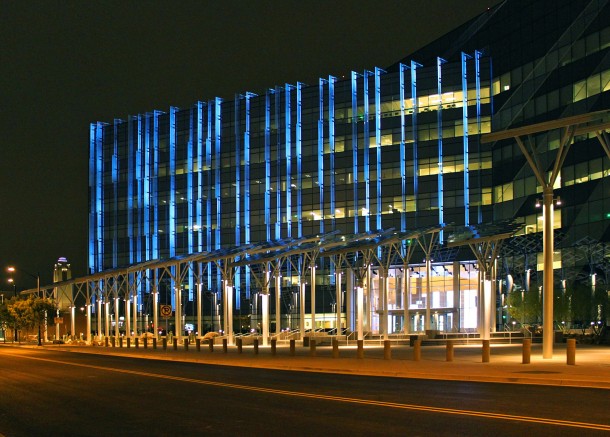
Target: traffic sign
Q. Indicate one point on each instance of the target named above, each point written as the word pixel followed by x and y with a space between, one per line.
pixel 166 311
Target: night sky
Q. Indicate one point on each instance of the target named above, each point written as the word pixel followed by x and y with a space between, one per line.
pixel 65 64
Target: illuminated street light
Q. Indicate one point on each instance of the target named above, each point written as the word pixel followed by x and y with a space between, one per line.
pixel 12 269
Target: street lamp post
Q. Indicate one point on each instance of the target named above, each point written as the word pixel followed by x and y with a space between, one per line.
pixel 37 277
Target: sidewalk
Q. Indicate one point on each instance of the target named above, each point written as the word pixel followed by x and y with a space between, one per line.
pixel 592 367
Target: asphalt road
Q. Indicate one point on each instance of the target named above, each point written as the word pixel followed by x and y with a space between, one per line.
pixel 51 392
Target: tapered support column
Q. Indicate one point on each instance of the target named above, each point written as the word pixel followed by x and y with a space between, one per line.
pixel 485 306
pixel 178 313
pixel 428 292
pixel 127 317
pixel 265 311
pixel 278 306
pixel 99 316
pixel 406 279
pixel 155 302
pixel 116 317
pixel 360 309
pixel 88 323
pixel 135 312
pixel 313 297
pixel 107 319
pixel 199 308
pixel 383 298
pixel 228 313
pixel 338 303
pixel 302 307
pixel 349 300
pixel 72 321
pixel 547 298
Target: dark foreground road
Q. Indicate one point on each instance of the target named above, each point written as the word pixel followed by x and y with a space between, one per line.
pixel 60 393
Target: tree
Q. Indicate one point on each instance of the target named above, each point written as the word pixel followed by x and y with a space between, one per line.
pixel 29 313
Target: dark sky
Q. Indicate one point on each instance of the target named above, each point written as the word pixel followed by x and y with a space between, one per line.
pixel 65 64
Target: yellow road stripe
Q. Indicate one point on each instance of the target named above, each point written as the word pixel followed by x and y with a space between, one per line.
pixel 482 414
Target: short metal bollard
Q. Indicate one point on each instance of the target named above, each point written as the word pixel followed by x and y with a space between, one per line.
pixel 485 352
pixel 273 346
pixel 128 342
pixel 113 342
pixel 224 345
pixel 292 347
pixel 137 342
pixel 255 344
pixel 387 350
pixel 239 346
pixel 155 343
pixel 175 344
pixel 145 343
pixel 106 341
pixel 198 344
pixel 571 352
pixel 164 343
pixel 527 351
pixel 335 348
pixel 211 344
pixel 449 351
pixel 312 347
pixel 417 350
pixel 186 344
pixel 360 352
pixel 120 341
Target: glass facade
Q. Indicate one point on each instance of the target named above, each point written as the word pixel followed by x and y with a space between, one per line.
pixel 397 147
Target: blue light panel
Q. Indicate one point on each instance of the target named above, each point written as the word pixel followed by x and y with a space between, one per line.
pixel 200 170
pixel 147 188
pixel 465 58
pixel 439 125
pixel 354 80
pixel 155 185
pixel 403 153
pixel 414 67
pixel 172 182
pixel 288 146
pixel 331 142
pixel 367 146
pixel 115 193
pixel 299 160
pixel 321 151
pixel 378 72
pixel 268 162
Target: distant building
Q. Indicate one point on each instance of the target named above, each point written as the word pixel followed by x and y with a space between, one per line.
pixel 394 147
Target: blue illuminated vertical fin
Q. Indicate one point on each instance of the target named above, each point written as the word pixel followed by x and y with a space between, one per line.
pixel 331 143
pixel 278 181
pixel 172 182
pixel 477 67
pixel 354 79
pixel 140 176
pixel 237 146
pixel 378 72
pixel 268 162
pixel 200 169
pixel 190 170
pixel 96 204
pixel 288 155
pixel 155 185
pixel 465 57
pixel 403 152
pixel 414 127
pixel 367 146
pixel 208 203
pixel 115 194
pixel 247 193
pixel 238 181
pixel 439 128
pixel 321 153
pixel 299 160
pixel 146 187
pixel 218 165
pixel 131 181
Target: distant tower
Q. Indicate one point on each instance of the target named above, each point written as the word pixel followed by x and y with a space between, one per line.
pixel 62 272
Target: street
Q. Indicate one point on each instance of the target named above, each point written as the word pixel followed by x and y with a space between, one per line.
pixel 53 392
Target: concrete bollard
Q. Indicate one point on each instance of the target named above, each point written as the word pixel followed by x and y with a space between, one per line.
pixel 155 343
pixel 128 342
pixel 198 344
pixel 273 346
pixel 211 344
pixel 417 350
pixel 449 351
pixel 224 345
pixel 145 343
pixel 527 351
pixel 106 341
pixel 137 343
pixel 175 344
pixel 186 344
pixel 335 348
pixel 292 347
pixel 387 350
pixel 360 352
pixel 485 352
pixel 120 341
pixel 255 344
pixel 164 344
pixel 113 342
pixel 571 352
pixel 312 347
pixel 239 346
